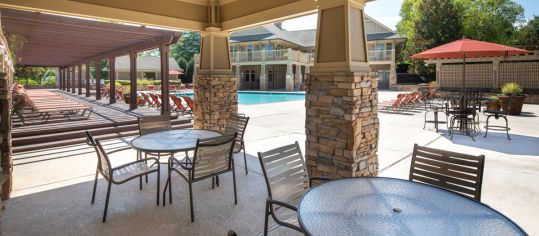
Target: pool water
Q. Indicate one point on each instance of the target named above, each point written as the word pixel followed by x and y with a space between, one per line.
pixel 251 98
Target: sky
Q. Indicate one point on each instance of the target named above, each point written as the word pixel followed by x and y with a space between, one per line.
pixel 387 12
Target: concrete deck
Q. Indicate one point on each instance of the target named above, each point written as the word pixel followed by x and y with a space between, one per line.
pixel 52 188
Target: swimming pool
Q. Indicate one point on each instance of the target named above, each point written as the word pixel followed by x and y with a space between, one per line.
pixel 251 98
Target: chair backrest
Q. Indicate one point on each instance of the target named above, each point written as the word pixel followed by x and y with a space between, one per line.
pixel 177 102
pixel 189 102
pixel 152 124
pixel 237 124
pixel 155 99
pixel 213 156
pixel 457 172
pixel 285 173
pixel 103 162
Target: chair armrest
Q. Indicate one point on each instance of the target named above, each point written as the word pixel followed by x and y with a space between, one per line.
pixel 119 150
pixel 134 162
pixel 321 178
pixel 182 164
pixel 284 204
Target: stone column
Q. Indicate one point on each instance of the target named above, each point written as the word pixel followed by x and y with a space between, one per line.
pixel 341 121
pixel 216 87
pixel 79 83
pixel 289 77
pixel 263 77
pixel 88 68
pixel 298 78
pixel 392 75
pixel 112 80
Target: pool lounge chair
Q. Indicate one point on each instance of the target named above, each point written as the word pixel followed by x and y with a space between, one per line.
pixel 179 108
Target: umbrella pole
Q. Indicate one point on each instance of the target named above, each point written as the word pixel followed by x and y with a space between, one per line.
pixel 464 72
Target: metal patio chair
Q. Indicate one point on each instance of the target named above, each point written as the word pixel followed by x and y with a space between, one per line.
pixel 238 124
pixel 213 157
pixel 119 174
pixel 497 115
pixel 287 180
pixel 456 172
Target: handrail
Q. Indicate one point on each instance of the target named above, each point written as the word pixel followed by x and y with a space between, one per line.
pixel 268 56
pixel 381 55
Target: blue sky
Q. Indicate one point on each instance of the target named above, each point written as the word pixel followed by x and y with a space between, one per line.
pixel 387 12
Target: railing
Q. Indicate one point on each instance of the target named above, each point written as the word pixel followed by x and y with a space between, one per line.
pixel 270 55
pixel 381 55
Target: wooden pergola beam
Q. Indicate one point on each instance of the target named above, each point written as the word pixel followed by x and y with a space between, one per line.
pixel 112 80
pixel 80 80
pixel 87 79
pixel 133 80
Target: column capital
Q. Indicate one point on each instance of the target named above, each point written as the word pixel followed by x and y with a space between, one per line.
pixel 214 52
pixel 341 44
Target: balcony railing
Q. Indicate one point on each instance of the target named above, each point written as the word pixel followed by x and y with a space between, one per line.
pixel 381 55
pixel 288 55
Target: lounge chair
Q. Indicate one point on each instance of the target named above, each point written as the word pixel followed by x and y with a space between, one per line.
pixel 189 102
pixel 156 101
pixel 179 107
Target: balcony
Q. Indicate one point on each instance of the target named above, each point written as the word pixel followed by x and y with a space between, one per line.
pixel 283 56
pixel 383 56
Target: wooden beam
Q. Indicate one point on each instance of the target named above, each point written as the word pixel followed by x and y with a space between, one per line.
pixel 80 79
pixel 61 79
pixel 112 80
pixel 73 79
pixel 88 68
pixel 97 80
pixel 133 78
pixel 68 79
pixel 163 52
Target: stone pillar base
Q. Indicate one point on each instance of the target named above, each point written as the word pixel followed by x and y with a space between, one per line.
pixel 342 124
pixel 216 97
pixel 392 76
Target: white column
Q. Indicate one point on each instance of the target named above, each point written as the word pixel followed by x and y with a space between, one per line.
pixel 297 78
pixel 263 78
pixel 289 77
pixel 392 75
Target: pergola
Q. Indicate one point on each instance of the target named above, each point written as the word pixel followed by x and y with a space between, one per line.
pixel 341 96
pixel 68 43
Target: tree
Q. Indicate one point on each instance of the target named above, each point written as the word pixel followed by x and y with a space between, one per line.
pixel 490 20
pixel 528 35
pixel 183 52
pixel 427 24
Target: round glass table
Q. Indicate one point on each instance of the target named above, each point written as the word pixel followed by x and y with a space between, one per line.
pixel 387 206
pixel 171 141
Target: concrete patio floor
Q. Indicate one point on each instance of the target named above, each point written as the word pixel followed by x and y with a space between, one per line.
pixel 53 187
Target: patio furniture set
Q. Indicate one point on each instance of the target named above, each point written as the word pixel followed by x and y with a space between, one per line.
pixel 462 113
pixel 45 104
pixel 442 195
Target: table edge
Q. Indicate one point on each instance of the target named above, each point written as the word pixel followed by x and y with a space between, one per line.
pixel 168 151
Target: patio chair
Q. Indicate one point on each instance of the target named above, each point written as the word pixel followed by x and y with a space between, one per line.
pixel 148 101
pixel 393 105
pixel 189 102
pixel 178 107
pixel 497 115
pixel 213 157
pixel 238 124
pixel 156 101
pixel 286 180
pixel 119 174
pixel 456 172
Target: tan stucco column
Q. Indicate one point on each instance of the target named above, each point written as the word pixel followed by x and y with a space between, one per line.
pixel 289 77
pixel 263 77
pixel 216 87
pixel 341 121
pixel 298 77
pixel 392 75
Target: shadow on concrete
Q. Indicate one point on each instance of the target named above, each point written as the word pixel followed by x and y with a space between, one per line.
pixel 498 142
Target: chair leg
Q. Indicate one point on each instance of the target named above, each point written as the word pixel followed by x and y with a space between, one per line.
pixel 234 180
pixel 244 157
pixel 425 119
pixel 95 186
pixel 191 201
pixel 213 182
pixel 165 192
pixel 169 180
pixel 107 202
pixel 146 156
pixel 506 127
pixel 158 182
pixel 486 127
pixel 266 218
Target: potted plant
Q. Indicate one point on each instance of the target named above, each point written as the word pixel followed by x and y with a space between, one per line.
pixel 493 104
pixel 513 92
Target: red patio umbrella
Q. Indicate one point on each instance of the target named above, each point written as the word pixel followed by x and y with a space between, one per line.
pixel 468 48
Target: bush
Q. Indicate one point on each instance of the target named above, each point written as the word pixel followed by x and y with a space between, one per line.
pixel 124 82
pixel 143 82
pixel 511 89
pixel 51 80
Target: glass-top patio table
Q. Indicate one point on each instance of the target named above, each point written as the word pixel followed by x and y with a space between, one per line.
pixel 171 141
pixel 387 206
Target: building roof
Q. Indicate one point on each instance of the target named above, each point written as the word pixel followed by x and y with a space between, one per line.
pixel 146 63
pixel 307 38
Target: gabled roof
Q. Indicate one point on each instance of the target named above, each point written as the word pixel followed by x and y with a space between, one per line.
pixel 305 38
pixel 146 63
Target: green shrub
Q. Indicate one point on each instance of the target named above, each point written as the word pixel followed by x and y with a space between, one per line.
pixel 156 82
pixel 143 82
pixel 124 82
pixel 32 82
pixel 511 89
pixel 51 80
pixel 493 99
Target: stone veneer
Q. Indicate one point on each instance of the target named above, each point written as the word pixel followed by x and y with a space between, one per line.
pixel 216 97
pixel 342 124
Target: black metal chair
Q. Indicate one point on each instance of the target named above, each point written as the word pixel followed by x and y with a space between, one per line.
pixel 238 124
pixel 497 115
pixel 287 180
pixel 457 172
pixel 463 112
pixel 213 157
pixel 122 173
pixel 435 108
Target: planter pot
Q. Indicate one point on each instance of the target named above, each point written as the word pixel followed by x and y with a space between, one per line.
pixel 515 108
pixel 493 106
